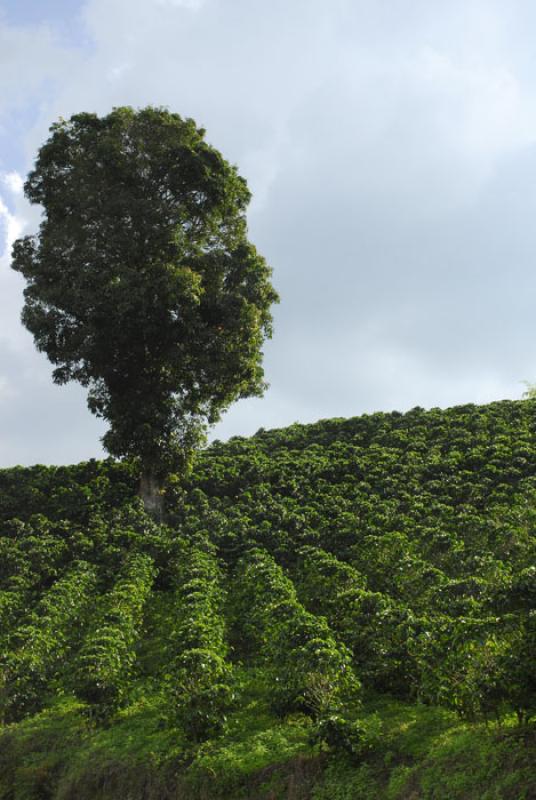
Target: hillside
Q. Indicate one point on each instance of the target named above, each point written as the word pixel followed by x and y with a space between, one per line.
pixel 342 610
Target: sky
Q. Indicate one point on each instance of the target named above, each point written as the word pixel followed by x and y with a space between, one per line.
pixel 391 152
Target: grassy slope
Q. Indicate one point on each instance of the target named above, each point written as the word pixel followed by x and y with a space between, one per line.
pixel 452 497
pixel 421 753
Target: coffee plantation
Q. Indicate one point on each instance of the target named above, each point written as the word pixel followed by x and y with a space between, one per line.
pixel 338 610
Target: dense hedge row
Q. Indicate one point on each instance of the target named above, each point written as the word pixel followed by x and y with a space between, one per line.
pixel 375 628
pixel 199 680
pixel 42 647
pixel 311 671
pixel 104 666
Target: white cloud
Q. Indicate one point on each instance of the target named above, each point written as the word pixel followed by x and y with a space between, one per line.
pixel 13 227
pixel 14 182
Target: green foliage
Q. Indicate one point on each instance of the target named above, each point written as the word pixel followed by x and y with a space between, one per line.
pixel 142 284
pixel 354 737
pixel 45 643
pixel 322 578
pixel 105 663
pixel 311 671
pixel 426 754
pixel 216 656
pixel 198 679
pixel 460 665
pixel 375 628
pixel 59 493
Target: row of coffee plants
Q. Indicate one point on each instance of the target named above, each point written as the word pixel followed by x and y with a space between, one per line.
pixel 484 666
pixel 106 661
pixel 374 627
pixel 41 648
pixel 475 665
pixel 311 671
pixel 198 678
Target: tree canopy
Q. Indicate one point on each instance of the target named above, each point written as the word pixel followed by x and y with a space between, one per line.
pixel 142 284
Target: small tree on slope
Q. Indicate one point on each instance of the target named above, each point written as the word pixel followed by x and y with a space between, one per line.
pixel 142 284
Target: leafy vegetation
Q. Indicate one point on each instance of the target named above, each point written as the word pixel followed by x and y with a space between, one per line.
pixel 341 610
pixel 199 679
pixel 310 671
pixel 106 659
pixel 141 283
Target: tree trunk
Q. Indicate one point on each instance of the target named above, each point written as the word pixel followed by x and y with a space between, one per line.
pixel 151 494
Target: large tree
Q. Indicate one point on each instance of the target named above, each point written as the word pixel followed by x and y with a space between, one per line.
pixel 142 284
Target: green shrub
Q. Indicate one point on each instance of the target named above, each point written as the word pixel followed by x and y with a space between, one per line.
pixel 105 664
pixel 198 681
pixel 357 738
pixel 311 671
pixel 46 643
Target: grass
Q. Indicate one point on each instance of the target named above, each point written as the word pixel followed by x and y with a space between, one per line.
pixel 423 754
